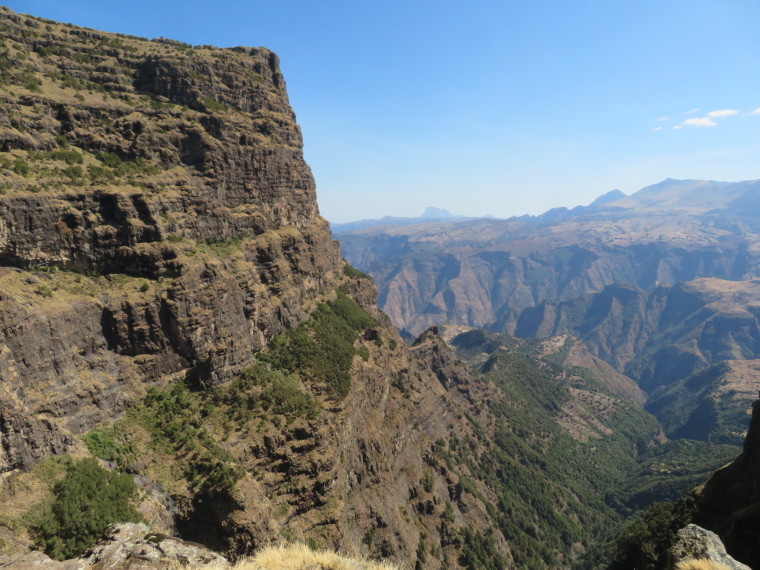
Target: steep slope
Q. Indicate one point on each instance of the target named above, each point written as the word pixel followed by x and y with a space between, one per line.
pixel 563 441
pixel 475 272
pixel 713 404
pixel 730 500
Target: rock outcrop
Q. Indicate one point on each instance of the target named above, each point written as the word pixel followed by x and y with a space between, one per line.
pixel 730 500
pixel 125 546
pixel 698 548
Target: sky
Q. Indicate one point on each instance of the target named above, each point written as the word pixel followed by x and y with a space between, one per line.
pixel 489 107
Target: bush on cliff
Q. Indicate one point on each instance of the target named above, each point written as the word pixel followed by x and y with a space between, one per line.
pixel 85 502
pixel 322 348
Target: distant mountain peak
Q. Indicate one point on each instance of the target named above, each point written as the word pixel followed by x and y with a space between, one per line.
pixel 610 196
pixel 431 212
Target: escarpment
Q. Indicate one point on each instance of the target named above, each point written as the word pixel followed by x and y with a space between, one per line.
pixel 156 217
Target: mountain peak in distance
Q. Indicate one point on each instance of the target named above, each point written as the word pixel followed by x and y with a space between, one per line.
pixel 431 212
pixel 610 196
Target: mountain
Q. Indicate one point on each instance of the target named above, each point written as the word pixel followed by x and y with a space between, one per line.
pixel 180 330
pixel 581 431
pixel 431 214
pixel 173 305
pixel 473 273
pixel 693 347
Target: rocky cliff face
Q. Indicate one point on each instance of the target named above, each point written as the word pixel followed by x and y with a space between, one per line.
pixel 730 501
pixel 156 217
pixel 656 338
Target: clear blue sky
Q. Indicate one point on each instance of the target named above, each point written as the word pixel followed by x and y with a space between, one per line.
pixel 487 107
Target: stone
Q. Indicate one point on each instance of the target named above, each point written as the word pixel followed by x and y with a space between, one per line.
pixel 130 546
pixel 696 543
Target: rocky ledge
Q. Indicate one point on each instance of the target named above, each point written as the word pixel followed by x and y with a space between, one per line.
pixel 125 546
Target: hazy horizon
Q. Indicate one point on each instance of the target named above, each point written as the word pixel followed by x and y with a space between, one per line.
pixel 498 109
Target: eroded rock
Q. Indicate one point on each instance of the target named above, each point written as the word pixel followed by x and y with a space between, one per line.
pixel 696 543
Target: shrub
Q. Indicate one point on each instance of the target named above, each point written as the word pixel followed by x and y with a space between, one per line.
pixel 352 272
pixel 322 348
pixel 100 173
pixel 213 105
pixel 85 502
pixel 109 159
pixel 44 291
pixel 74 173
pixel 66 155
pixel 20 167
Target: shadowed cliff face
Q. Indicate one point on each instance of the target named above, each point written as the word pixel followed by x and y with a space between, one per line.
pixel 730 501
pixel 156 218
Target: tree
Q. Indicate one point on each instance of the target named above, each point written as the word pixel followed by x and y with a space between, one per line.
pixel 85 502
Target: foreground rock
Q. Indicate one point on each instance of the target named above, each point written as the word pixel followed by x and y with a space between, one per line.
pixel 694 543
pixel 125 547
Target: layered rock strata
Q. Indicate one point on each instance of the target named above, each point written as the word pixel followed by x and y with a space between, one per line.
pixel 156 217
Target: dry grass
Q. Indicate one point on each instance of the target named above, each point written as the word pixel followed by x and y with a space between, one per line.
pixel 301 557
pixel 701 564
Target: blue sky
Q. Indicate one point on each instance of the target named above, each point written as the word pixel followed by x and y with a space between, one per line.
pixel 488 107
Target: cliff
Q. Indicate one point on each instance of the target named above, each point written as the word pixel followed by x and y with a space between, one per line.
pixel 730 500
pixel 150 192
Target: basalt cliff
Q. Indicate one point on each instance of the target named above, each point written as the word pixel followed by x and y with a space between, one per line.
pixel 127 165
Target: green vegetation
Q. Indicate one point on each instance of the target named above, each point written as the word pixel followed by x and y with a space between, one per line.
pixel 126 167
pixel 173 418
pixel 321 350
pixel 259 389
pixel 695 408
pixel 20 167
pixel 223 247
pixel 66 155
pixel 85 502
pixel 533 464
pixel 479 551
pixel 644 542
pixel 213 105
pixel 666 472
pixel 353 273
